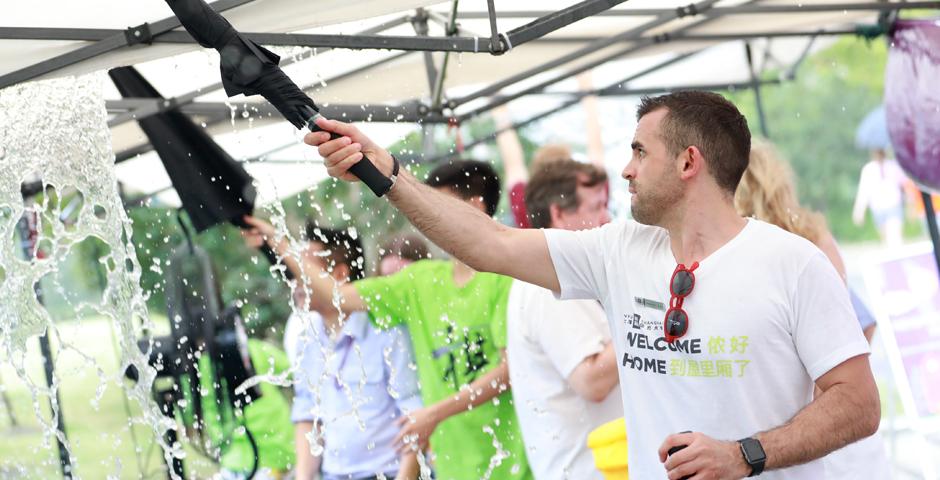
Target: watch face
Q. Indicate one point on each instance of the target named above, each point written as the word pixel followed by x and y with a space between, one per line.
pixel 753 451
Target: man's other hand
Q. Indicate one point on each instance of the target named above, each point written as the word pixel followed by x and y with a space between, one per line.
pixel 703 457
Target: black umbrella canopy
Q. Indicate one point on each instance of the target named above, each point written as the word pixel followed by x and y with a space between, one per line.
pixel 212 186
pixel 250 69
pixel 247 67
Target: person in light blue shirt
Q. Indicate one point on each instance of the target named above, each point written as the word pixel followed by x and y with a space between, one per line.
pixel 354 386
pixel 353 382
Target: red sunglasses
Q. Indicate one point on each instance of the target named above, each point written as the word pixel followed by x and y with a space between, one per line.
pixel 676 323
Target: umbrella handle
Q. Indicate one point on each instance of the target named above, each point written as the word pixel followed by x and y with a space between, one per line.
pixel 365 170
pixel 272 257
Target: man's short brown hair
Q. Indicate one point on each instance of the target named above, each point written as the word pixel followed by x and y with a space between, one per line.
pixel 557 184
pixel 709 122
pixel 468 179
pixel 345 247
pixel 409 247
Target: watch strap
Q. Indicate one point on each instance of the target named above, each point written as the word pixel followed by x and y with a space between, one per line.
pixel 756 464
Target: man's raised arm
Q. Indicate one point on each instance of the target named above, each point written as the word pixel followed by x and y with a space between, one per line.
pixel 322 288
pixel 468 234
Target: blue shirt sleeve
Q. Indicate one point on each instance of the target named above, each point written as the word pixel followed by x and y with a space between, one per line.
pixel 401 370
pixel 865 317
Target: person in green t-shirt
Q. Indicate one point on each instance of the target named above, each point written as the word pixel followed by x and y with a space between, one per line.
pixel 456 318
pixel 267 418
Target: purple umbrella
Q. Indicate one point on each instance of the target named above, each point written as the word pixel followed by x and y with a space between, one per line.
pixel 872 133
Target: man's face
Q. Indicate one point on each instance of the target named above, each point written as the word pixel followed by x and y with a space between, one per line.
pixel 318 252
pixel 591 211
pixel 652 173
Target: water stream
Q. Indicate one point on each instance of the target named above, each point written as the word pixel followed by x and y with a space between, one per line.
pixel 55 131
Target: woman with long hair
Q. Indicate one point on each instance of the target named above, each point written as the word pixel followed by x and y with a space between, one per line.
pixel 767 193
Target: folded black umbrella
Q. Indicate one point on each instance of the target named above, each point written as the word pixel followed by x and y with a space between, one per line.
pixel 212 186
pixel 250 69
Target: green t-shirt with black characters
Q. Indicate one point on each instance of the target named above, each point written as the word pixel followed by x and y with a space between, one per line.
pixel 457 333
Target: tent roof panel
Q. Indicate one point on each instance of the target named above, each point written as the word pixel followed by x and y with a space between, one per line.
pixel 177 69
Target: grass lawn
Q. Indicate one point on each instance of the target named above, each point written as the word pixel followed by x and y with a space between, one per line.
pixel 101 436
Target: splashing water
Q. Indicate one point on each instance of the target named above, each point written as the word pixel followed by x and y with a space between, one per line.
pixel 56 130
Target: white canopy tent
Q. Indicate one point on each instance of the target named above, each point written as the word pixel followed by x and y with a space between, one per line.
pixel 655 45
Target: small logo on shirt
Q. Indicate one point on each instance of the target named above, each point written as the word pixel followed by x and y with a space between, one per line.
pixel 636 321
pixel 645 302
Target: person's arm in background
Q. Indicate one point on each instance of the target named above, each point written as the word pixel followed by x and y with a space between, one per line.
pixel 515 175
pixel 595 143
pixel 510 149
pixel 322 286
pixel 448 222
pixel 420 424
pixel 573 335
pixel 596 376
pixel 308 466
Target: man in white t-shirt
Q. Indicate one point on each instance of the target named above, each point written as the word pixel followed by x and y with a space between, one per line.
pixel 561 358
pixel 756 315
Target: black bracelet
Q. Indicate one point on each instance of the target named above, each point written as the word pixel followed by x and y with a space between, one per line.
pixel 394 176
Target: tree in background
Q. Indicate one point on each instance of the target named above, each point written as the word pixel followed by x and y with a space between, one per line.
pixel 813 120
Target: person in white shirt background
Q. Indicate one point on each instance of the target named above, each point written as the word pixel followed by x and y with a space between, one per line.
pixel 881 190
pixel 561 358
pixel 723 325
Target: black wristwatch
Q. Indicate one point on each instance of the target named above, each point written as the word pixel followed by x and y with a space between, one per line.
pixel 753 455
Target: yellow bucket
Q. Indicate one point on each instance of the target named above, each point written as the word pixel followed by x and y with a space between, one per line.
pixel 609 444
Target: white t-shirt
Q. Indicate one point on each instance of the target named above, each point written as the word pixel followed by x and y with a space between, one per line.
pixel 547 339
pixel 767 316
pixel 865 459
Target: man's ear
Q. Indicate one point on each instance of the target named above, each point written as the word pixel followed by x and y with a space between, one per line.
pixel 554 211
pixel 691 162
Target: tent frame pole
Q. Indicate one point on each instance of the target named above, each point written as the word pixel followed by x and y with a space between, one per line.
pixel 729 10
pixel 173 102
pixel 451 29
pixel 630 34
pixel 931 216
pixel 161 31
pixel 605 92
pixel 132 36
pixel 755 86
